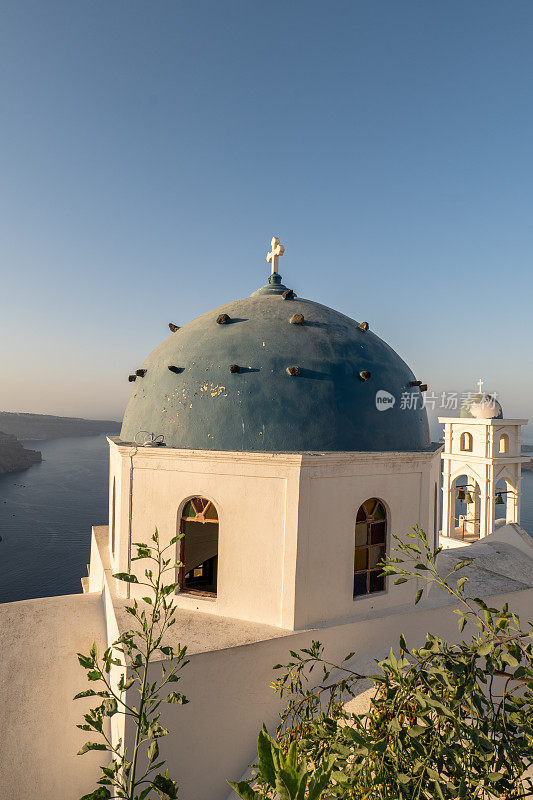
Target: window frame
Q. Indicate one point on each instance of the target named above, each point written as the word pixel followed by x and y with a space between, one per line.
pixel 199 517
pixel 369 521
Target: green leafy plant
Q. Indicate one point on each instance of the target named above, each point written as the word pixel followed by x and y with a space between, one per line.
pixel 285 774
pixel 135 650
pixel 446 721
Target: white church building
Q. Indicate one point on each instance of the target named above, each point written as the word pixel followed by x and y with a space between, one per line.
pixel 259 431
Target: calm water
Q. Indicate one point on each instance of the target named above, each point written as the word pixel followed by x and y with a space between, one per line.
pixel 46 513
pixel 526 515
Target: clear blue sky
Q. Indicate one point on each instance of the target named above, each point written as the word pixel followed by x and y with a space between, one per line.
pixel 151 150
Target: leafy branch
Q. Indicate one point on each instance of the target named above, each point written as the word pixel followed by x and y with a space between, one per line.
pixel 446 721
pixel 135 650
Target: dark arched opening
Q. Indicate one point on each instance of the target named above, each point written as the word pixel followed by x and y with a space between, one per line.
pixel 199 547
pixel 370 547
pixel 467 508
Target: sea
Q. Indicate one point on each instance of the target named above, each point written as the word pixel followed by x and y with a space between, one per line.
pixel 46 513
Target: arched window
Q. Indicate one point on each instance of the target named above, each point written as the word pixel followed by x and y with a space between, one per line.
pixel 113 504
pixel 199 547
pixel 370 547
pixel 504 443
pixel 466 441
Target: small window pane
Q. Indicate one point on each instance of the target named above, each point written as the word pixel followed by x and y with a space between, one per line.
pixel 361 534
pixel 211 513
pixel 360 559
pixel 189 510
pixel 375 555
pixel 379 512
pixel 368 505
pixel 377 532
pixel 359 584
pixel 361 516
pixel 376 584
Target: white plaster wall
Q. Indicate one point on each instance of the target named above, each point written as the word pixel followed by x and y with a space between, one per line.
pixel 479 438
pixel 250 495
pixel 114 476
pixel 286 523
pixel 406 485
pixel 102 585
pixel 251 532
pixel 515 439
pixel 120 465
pixel 39 676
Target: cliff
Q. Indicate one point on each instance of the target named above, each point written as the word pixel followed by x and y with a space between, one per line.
pixel 46 426
pixel 13 456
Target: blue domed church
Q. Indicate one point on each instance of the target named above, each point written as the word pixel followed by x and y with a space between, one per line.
pixel 259 431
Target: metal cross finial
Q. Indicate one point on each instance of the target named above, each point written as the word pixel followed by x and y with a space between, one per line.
pixel 480 385
pixel 275 253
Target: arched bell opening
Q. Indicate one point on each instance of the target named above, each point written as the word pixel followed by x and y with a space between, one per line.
pixel 505 500
pixel 467 494
pixel 198 547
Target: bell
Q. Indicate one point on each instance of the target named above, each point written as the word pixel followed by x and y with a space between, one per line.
pixel 468 497
pixel 461 495
pixel 499 500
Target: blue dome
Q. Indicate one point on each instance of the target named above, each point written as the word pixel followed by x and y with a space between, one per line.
pixel 202 405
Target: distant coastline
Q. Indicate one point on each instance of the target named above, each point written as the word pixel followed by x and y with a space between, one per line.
pixel 41 427
pixel 13 456
pixel 46 426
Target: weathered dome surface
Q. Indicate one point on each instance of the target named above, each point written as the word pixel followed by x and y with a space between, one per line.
pixel 481 405
pixel 327 406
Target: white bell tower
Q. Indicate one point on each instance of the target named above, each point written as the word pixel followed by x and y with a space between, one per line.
pixel 481 451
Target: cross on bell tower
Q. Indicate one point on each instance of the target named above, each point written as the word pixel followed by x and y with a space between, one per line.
pixel 274 254
pixel 480 385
